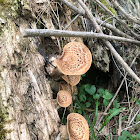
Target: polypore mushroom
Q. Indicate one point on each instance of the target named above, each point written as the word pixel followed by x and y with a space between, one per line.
pixel 72 79
pixel 65 86
pixel 77 126
pixel 75 60
pixel 64 98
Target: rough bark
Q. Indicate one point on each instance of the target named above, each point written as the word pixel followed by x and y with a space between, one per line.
pixel 26 96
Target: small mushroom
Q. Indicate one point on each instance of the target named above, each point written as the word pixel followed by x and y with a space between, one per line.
pixel 75 60
pixel 64 98
pixel 73 80
pixel 77 126
pixel 65 86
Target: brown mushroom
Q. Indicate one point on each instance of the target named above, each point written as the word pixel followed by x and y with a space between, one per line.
pixel 75 60
pixel 77 126
pixel 64 98
pixel 65 86
pixel 72 79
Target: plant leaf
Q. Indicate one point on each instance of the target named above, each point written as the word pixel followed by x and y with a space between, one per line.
pixel 96 113
pixel 101 91
pixel 88 104
pixel 105 102
pixel 122 138
pixel 90 89
pixel 79 111
pixel 96 96
pixel 138 136
pixel 112 115
pixel 82 98
pixel 107 95
pixel 115 104
pixel 138 102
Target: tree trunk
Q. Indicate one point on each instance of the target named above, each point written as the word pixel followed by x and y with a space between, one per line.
pixel 26 96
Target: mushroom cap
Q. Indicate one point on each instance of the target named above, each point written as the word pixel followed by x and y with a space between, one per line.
pixel 77 126
pixel 65 86
pixel 64 98
pixel 75 60
pixel 72 79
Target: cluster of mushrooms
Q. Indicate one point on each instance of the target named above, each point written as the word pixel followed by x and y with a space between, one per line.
pixel 75 61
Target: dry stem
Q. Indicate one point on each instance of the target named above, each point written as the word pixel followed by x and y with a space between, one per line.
pixel 108 44
pixel 63 33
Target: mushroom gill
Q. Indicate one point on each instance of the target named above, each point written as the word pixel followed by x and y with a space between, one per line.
pixel 77 126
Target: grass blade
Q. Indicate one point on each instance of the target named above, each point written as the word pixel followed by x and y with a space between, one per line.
pixel 96 112
pixel 112 115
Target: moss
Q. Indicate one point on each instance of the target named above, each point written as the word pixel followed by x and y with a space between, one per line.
pixel 108 6
pixel 3 121
pixel 9 8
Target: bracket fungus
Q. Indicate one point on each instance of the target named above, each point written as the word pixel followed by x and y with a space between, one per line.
pixel 75 60
pixel 73 80
pixel 77 126
pixel 64 98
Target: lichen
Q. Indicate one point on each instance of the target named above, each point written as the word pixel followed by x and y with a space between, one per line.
pixel 109 7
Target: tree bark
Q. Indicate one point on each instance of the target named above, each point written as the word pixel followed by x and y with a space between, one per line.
pixel 26 96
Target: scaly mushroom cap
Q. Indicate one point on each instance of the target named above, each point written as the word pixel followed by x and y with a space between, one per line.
pixel 77 126
pixel 64 98
pixel 72 79
pixel 75 60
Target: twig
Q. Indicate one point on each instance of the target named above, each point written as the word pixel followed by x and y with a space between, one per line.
pixel 63 33
pixel 90 16
pixel 74 8
pixel 120 124
pixel 112 28
pixel 107 25
pixel 105 8
pixel 134 117
pixel 117 90
pixel 131 126
pixel 67 26
pixel 128 16
pixel 108 44
pixel 119 20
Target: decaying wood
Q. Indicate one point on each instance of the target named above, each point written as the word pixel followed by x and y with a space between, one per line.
pixel 25 91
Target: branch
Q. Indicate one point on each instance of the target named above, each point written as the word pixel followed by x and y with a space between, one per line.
pixel 108 44
pixel 74 8
pixel 119 20
pixel 113 29
pixel 115 95
pixel 105 8
pixel 107 25
pixel 128 16
pixel 64 33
